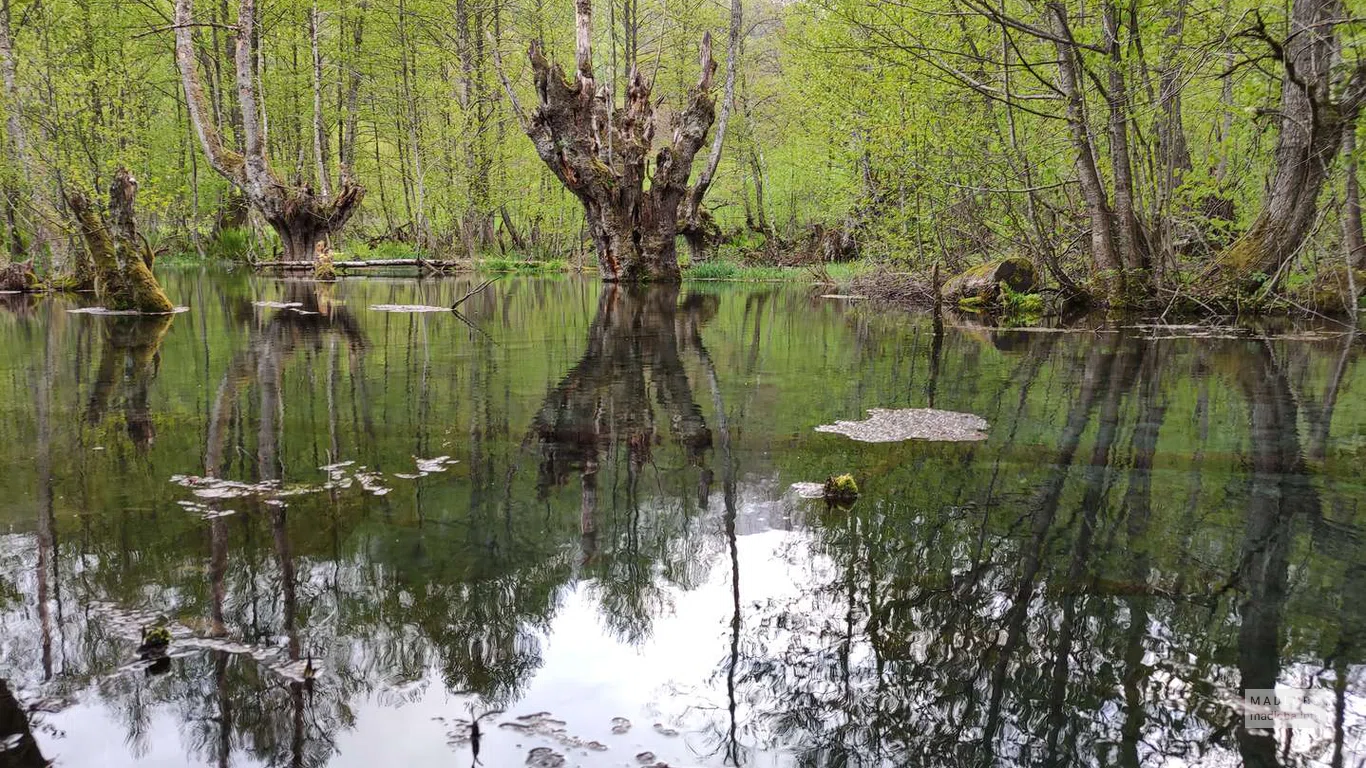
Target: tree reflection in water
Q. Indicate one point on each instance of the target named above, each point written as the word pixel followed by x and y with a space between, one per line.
pixel 1144 536
pixel 1053 632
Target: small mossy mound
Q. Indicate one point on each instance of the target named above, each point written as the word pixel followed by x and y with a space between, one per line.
pixel 841 489
pixel 325 271
pixel 980 286
pixel 156 638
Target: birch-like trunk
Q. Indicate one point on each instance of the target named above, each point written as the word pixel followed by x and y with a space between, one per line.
pixel 320 152
pixel 39 208
pixel 698 228
pixel 1104 255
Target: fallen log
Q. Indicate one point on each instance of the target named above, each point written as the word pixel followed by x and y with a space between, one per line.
pixel 370 264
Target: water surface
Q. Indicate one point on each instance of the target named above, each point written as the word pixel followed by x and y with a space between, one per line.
pixel 572 518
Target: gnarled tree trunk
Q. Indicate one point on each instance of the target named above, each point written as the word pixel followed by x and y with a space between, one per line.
pixel 122 259
pixel 302 218
pixel 601 153
pixel 1311 128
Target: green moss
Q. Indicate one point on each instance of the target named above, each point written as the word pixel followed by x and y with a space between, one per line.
pixel 841 488
pixel 324 270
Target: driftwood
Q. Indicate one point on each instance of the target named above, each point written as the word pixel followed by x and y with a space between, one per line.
pixel 983 283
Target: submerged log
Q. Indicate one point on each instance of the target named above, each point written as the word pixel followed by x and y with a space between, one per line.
pixel 122 258
pixel 982 283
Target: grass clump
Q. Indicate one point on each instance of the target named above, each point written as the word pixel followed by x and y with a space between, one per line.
pixel 522 266
pixel 232 244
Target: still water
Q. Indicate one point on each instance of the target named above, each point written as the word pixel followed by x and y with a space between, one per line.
pixel 572 520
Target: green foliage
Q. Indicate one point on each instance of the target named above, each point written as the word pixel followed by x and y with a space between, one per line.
pixel 360 250
pixel 715 269
pixel 525 266
pixel 1020 309
pixel 230 244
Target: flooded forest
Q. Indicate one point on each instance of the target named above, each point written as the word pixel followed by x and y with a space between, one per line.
pixel 681 384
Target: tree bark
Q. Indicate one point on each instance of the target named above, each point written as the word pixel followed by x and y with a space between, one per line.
pixel 1132 255
pixel 348 145
pixel 1311 128
pixel 42 237
pixel 1104 255
pixel 303 219
pixel 633 228
pixel 697 229
pixel 123 274
pixel 1352 235
pixel 320 151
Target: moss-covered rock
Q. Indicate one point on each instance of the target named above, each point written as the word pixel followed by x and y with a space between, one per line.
pixel 981 285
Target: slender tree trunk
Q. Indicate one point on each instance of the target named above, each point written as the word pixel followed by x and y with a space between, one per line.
pixel 414 148
pixel 1129 239
pixel 348 146
pixel 1352 236
pixel 320 153
pixel 41 234
pixel 1104 255
pixel 1173 151
pixel 696 231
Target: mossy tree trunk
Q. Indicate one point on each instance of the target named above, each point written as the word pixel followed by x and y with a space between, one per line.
pixel 1312 123
pixel 601 153
pixel 122 260
pixel 304 219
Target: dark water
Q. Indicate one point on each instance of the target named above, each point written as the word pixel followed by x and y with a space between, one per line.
pixel 1153 525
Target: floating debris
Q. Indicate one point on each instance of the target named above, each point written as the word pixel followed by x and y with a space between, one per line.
pixel 542 724
pixel 847 296
pixel 407 308
pixel 428 466
pixel 133 626
pixel 891 426
pixel 809 490
pixel 544 757
pixel 277 304
pixel 662 730
pixel 123 312
pixel 620 725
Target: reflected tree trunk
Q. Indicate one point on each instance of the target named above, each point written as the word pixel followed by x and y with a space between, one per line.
pixel 1279 493
pixel 20 748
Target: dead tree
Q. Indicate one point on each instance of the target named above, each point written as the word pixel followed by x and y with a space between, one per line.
pixel 122 258
pixel 304 219
pixel 601 152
